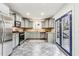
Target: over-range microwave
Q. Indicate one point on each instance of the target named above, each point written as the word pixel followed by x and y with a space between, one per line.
pixel 17 24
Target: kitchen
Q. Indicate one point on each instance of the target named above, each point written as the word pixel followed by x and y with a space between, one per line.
pixel 48 30
pixel 22 29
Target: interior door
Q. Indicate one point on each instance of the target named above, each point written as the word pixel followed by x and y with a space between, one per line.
pixel 1 34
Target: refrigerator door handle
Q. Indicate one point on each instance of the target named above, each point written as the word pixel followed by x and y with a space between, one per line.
pixel 2 33
pixel 3 30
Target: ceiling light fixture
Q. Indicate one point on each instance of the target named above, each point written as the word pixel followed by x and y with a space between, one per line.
pixel 28 13
pixel 42 13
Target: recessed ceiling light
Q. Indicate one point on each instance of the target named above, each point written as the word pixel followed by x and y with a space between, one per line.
pixel 42 13
pixel 27 13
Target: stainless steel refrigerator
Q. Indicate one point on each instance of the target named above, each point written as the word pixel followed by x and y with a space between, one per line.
pixel 5 36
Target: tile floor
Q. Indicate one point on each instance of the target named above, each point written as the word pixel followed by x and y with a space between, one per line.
pixel 37 48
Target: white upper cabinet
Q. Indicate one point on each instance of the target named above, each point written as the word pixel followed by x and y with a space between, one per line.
pixel 26 23
pixel 30 24
pixel 51 23
pixel 4 9
pixel 42 24
pixel 19 18
pixel 48 23
pixel 22 23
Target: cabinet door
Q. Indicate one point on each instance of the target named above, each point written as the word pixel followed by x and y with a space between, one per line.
pixel 51 23
pixel 7 48
pixel 17 39
pixel 14 40
pixel 46 23
pixel 30 24
pixel 22 23
pixel 50 35
pixel 26 23
pixel 17 17
pixel 25 35
pixel 42 24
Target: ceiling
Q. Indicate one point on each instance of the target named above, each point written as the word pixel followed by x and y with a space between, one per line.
pixel 36 10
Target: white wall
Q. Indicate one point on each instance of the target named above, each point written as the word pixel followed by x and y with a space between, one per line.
pixel 66 8
pixel 76 40
pixel 4 9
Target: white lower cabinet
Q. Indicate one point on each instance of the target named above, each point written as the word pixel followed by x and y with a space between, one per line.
pixel 15 39
pixel 34 35
pixel 7 48
pixel 50 37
